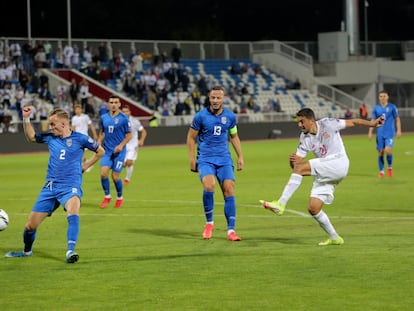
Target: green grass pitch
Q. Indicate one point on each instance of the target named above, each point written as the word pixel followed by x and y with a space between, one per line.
pixel 149 255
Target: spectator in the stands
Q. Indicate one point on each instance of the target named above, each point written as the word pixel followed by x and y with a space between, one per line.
pixel 87 54
pixel 89 109
pixel 165 112
pixel 15 52
pixel 67 56
pixel 3 74
pixel 61 96
pixel 196 98
pixel 24 80
pixel 152 99
pixel 137 62
pixel 40 58
pixel 348 114
pixel 19 96
pixel 103 53
pixel 28 53
pixel 48 49
pixel 73 90
pixel 84 93
pixel 45 94
pixel 273 105
pixel 183 78
pixel 43 108
pixel 297 85
pixel 244 90
pixel 202 85
pixel 6 94
pixel 116 67
pixel 188 104
pixel 176 54
pixel 252 105
pixel 59 58
pixel 234 70
pixel 76 57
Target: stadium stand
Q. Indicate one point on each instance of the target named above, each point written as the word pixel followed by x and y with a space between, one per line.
pixel 262 81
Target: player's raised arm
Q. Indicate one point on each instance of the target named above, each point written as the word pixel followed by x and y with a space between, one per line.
pixel 29 131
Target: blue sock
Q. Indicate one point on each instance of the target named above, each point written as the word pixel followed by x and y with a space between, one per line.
pixel 105 185
pixel 381 163
pixel 389 160
pixel 230 212
pixel 28 239
pixel 208 203
pixel 73 231
pixel 118 187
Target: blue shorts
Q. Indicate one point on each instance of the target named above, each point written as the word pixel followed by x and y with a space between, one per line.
pixel 222 172
pixel 383 142
pixel 54 194
pixel 115 161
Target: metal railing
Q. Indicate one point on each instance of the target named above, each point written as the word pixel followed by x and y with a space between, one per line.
pixel 219 49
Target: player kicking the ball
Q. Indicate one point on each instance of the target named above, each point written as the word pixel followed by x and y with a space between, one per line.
pixel 328 168
pixel 63 179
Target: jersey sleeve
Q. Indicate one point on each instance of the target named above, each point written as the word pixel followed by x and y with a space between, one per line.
pixel 42 138
pixel 89 143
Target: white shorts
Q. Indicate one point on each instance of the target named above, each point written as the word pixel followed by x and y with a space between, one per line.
pixel 131 153
pixel 327 174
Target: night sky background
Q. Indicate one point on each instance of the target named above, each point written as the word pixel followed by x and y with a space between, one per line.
pixel 204 20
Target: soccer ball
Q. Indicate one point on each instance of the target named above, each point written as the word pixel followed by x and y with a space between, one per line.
pixel 4 220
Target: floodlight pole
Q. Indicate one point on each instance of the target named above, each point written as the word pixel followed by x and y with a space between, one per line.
pixel 366 5
pixel 29 22
pixel 69 23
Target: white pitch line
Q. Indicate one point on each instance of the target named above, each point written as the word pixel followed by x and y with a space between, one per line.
pixel 218 203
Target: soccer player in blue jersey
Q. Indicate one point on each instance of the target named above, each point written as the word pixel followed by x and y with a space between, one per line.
pixel 114 134
pixel 63 178
pixel 211 129
pixel 387 132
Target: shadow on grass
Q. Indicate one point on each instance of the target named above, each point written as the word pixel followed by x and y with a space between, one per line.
pixel 249 240
pixel 177 234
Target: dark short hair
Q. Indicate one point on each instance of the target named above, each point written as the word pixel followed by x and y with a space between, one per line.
pixel 114 96
pixel 307 113
pixel 217 88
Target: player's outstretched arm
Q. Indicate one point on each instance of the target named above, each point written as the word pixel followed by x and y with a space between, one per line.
pixel 366 123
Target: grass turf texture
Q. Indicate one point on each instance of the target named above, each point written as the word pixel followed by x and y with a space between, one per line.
pixel 149 255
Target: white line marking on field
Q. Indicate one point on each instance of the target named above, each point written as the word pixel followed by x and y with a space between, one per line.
pixel 218 204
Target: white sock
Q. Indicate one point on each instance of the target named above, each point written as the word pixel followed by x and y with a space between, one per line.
pixel 292 185
pixel 129 170
pixel 325 223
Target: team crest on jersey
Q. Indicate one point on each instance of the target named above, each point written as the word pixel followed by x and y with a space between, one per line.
pixel 69 142
pixel 325 135
pixel 223 120
pixel 116 121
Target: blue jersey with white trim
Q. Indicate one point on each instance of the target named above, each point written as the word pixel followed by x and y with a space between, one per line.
pixel 115 129
pixel 213 135
pixel 390 112
pixel 65 160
